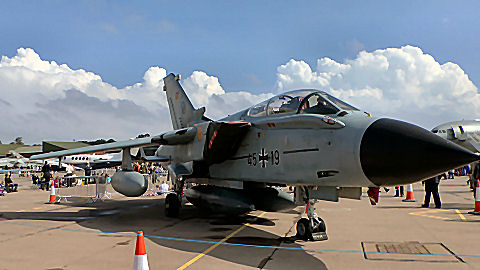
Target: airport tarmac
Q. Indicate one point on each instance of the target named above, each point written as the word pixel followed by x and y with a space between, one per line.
pixel 101 235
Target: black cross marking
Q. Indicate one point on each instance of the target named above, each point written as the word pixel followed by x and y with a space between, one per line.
pixel 263 158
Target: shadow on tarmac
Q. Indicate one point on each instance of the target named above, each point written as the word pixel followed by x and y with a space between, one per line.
pixel 148 215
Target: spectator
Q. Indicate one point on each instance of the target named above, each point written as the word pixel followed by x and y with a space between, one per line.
pixel 431 188
pixel 164 188
pixel 9 185
pixel 398 191
pixel 69 169
pixel 35 179
pixel 2 189
pixel 136 167
pixel 46 176
pixel 143 169
pixel 88 169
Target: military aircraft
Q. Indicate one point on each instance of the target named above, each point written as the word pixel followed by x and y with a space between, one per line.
pixel 15 160
pixel 465 133
pixel 309 139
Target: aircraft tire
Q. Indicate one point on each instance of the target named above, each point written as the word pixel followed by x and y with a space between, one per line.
pixel 304 231
pixel 172 205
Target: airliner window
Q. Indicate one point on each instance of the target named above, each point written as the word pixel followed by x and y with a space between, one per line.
pixel 316 104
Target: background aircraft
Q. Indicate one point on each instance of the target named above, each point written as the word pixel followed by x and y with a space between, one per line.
pixel 309 139
pixel 15 160
pixel 465 133
pixel 94 161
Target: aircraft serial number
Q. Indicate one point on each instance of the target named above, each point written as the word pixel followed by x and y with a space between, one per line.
pixel 264 158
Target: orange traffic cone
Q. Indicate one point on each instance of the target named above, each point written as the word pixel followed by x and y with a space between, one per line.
pixel 53 197
pixel 140 262
pixel 410 197
pixel 477 200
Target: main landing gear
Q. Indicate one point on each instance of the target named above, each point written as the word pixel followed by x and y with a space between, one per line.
pixel 173 201
pixel 312 228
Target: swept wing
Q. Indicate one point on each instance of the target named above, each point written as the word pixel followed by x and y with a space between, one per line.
pixel 181 136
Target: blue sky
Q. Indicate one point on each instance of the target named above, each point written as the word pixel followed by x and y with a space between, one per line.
pixel 386 57
pixel 242 42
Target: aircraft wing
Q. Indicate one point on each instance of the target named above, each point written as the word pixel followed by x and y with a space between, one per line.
pixel 181 136
pixel 474 140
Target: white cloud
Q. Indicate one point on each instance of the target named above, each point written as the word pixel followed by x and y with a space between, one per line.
pixel 42 100
pixel 404 83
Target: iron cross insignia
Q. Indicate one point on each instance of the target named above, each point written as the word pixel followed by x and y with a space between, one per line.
pixel 263 158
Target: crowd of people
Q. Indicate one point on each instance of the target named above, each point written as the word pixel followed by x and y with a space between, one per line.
pixel 153 172
pixel 7 185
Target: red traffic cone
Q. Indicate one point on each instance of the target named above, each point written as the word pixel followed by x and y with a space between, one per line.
pixel 410 197
pixel 53 197
pixel 477 200
pixel 140 262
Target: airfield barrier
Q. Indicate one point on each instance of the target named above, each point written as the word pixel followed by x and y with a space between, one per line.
pixel 81 187
pixel 152 189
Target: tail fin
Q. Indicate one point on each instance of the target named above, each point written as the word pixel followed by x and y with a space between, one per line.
pixel 181 109
pixel 15 154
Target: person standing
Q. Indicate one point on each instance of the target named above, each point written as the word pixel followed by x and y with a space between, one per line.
pixel 88 169
pixel 35 179
pixel 398 191
pixel 431 189
pixel 46 176
pixel 9 185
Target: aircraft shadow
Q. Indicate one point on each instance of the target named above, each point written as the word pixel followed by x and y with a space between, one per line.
pixel 148 215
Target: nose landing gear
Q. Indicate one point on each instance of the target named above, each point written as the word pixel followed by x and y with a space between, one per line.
pixel 312 228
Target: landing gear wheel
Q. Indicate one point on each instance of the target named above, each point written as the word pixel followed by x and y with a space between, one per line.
pixel 304 230
pixel 172 205
pixel 319 232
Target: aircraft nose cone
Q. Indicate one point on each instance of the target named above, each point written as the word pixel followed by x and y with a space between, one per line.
pixel 395 153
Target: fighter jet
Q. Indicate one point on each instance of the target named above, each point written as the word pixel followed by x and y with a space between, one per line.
pixel 306 138
pixel 15 160
pixel 465 133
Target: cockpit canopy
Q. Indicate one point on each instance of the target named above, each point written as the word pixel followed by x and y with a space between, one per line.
pixel 300 101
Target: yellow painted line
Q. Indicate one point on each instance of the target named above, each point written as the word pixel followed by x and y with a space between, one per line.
pixel 20 211
pixel 460 214
pixel 437 217
pixel 426 214
pixel 199 256
pixel 36 208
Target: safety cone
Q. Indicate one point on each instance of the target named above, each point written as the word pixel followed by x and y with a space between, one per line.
pixel 410 197
pixel 53 197
pixel 476 211
pixel 140 262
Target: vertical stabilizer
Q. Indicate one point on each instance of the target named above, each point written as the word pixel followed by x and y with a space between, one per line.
pixel 181 109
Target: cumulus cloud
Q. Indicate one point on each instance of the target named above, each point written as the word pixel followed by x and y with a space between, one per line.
pixel 404 83
pixel 43 100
